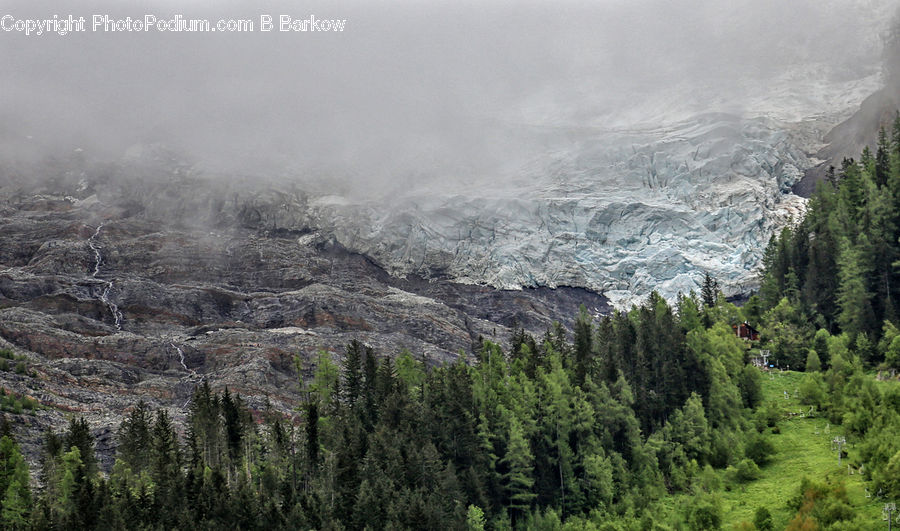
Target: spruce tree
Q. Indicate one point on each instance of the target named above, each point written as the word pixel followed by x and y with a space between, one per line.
pixel 134 438
pixel 520 463
pixel 853 299
pixel 164 454
pixel 79 435
pixel 14 485
pixel 882 159
pixel 709 292
pixel 584 345
pixel 312 434
pixel 813 364
pixel 351 369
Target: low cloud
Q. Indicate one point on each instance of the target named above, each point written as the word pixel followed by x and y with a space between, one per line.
pixel 408 92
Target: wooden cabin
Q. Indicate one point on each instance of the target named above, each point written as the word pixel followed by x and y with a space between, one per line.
pixel 745 331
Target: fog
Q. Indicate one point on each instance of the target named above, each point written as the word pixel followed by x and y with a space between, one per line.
pixel 892 53
pixel 412 92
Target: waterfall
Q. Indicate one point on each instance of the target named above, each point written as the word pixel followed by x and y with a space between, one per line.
pixel 193 373
pixel 181 359
pixel 107 284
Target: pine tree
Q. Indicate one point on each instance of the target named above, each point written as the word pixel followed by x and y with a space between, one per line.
pixel 709 292
pixel 750 386
pixel 584 345
pixel 556 394
pixel 848 201
pixel 70 480
pixel 830 176
pixel 762 519
pixel 475 519
pixel 50 452
pixel 204 425
pixel 410 371
pixel 16 505
pixel 385 384
pixel 351 368
pixel 234 426
pixel 776 263
pixel 369 509
pixel 14 485
pixel 134 438
pixel 164 455
pixel 312 434
pixel 325 386
pixel 6 429
pixel 79 435
pixel 813 364
pixel 867 165
pixel 895 149
pixel 882 159
pixel 853 299
pixel 378 382
pixel 520 462
pixel 690 430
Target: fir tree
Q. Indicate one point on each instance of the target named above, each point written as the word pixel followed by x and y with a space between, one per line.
pixel 79 436
pixel 312 434
pixel 351 368
pixel 134 438
pixel 520 462
pixel 709 292
pixel 813 364
pixel 853 298
pixel 14 486
pixel 164 454
pixel 882 159
pixel 584 345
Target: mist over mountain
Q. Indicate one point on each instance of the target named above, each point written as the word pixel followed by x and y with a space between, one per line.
pixel 619 147
pixel 435 90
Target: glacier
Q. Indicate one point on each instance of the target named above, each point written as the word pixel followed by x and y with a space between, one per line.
pixel 623 196
pixel 623 213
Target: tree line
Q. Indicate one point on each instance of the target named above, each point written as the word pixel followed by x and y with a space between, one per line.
pixel 551 430
pixel 837 268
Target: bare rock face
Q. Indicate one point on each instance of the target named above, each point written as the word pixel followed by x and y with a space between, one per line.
pixel 879 110
pixel 850 137
pixel 118 291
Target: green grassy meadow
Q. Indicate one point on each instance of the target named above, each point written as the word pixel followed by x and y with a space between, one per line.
pixel 803 447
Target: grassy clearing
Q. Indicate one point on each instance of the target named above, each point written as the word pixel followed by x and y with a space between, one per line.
pixel 803 448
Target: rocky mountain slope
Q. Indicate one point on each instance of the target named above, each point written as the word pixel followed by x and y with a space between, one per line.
pixel 113 298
